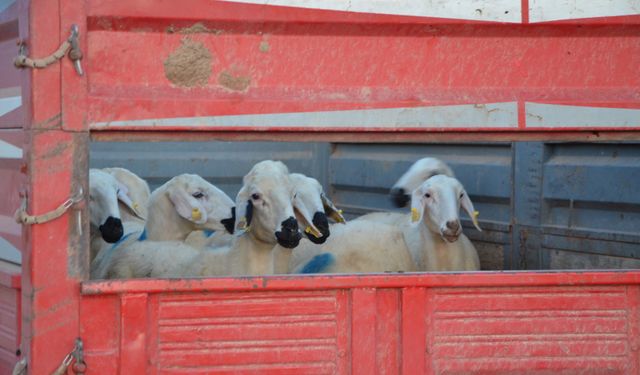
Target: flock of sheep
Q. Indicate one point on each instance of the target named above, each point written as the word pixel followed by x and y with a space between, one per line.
pixel 278 224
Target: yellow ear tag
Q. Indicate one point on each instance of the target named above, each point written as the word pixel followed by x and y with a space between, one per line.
pixel 196 215
pixel 475 217
pixel 314 232
pixel 415 215
pixel 337 216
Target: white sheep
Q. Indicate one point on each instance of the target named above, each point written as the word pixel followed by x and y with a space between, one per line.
pixel 136 189
pixel 434 237
pixel 131 193
pixel 105 195
pixel 419 172
pixel 265 217
pixel 183 204
pixel 357 247
pixel 309 201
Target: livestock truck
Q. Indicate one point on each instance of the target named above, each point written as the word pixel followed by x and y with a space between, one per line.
pixel 534 103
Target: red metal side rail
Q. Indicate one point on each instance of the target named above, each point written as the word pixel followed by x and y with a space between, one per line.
pixel 498 323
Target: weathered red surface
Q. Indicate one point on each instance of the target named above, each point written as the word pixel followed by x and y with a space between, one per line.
pixel 525 323
pixel 280 60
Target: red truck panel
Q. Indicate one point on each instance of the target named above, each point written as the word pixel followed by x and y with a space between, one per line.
pixel 497 323
pixel 504 70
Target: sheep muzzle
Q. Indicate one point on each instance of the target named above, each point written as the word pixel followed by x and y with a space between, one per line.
pixel 451 231
pixel 289 236
pixel 111 230
pixel 229 223
pixel 322 223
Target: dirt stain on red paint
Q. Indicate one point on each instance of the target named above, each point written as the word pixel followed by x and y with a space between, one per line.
pixel 196 28
pixel 189 65
pixel 233 82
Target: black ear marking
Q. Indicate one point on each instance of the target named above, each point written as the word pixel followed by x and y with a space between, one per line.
pixel 249 212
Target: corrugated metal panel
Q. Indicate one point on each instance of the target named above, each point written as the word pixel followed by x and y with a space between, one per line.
pixel 591 206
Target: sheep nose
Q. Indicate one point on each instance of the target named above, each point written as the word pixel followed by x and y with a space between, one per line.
pixel 453 225
pixel 399 197
pixel 111 230
pixel 322 223
pixel 229 223
pixel 289 236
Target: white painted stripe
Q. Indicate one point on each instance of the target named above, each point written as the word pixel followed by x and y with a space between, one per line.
pixel 566 116
pixel 553 10
pixel 9 104
pixel 9 151
pixel 476 10
pixel 495 115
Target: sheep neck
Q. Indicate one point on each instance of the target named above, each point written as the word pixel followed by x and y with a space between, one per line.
pixel 437 254
pixel 164 223
pixel 255 255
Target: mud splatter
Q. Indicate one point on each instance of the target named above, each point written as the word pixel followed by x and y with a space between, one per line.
pixel 234 82
pixel 264 46
pixel 196 28
pixel 189 65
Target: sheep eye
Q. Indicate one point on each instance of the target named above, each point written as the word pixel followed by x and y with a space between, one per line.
pixel 428 195
pixel 461 195
pixel 198 195
pixel 255 196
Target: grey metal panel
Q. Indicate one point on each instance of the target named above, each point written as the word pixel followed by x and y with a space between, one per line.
pixel 591 206
pixel 221 163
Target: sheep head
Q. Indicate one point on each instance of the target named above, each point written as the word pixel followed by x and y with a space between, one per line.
pixel 104 193
pixel 437 202
pixel 419 172
pixel 312 208
pixel 264 205
pixel 136 188
pixel 200 203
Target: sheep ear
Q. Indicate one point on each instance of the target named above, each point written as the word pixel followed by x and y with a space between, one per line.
pixel 417 207
pixel 123 196
pixel 468 207
pixel 331 210
pixel 188 207
pixel 305 217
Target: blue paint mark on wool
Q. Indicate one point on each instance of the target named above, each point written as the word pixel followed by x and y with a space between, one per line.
pixel 143 235
pixel 319 263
